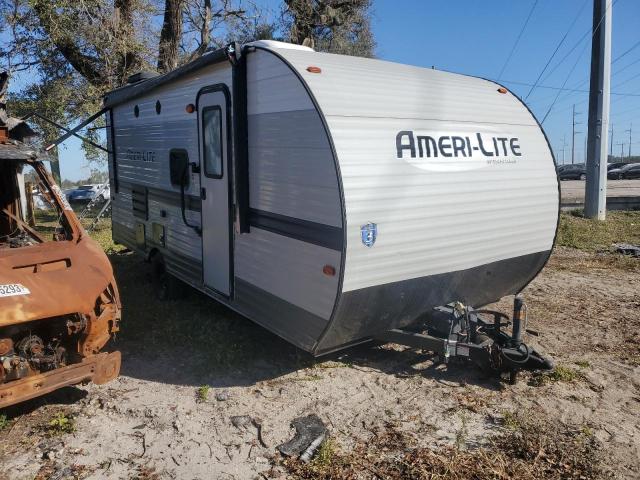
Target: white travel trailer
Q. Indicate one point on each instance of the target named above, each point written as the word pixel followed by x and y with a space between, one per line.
pixel 331 198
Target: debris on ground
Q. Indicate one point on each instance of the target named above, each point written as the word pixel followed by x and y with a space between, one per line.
pixel 241 421
pixel 528 449
pixel 310 433
pixel 222 396
pixel 627 249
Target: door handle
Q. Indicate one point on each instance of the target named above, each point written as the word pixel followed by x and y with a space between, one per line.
pixel 203 194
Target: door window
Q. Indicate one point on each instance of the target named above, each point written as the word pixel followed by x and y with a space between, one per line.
pixel 212 141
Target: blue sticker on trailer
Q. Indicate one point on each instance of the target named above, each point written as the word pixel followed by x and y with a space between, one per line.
pixel 368 233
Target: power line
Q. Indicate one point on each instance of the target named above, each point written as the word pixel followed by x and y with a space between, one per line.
pixel 595 29
pixel 576 88
pixel 618 114
pixel 533 87
pixel 573 133
pixel 518 39
pixel 627 66
pixel 561 62
pixel 628 80
pixel 635 45
pixel 565 82
pixel 566 89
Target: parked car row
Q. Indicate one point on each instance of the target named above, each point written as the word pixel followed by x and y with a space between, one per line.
pixel 624 171
pixel 572 171
pixel 86 193
pixel 615 171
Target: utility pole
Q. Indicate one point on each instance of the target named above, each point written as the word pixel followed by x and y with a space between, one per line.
pixel 564 144
pixel 595 203
pixel 573 135
pixel 630 125
pixel 611 140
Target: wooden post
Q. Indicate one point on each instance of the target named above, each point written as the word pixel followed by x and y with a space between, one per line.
pixel 31 211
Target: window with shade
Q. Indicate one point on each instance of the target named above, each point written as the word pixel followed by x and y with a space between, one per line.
pixel 212 141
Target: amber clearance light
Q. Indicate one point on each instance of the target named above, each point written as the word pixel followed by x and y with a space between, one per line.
pixel 190 108
pixel 313 69
pixel 502 90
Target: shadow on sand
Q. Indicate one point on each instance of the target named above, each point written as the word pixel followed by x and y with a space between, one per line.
pixel 196 341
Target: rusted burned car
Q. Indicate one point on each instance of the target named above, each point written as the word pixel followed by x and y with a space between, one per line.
pixel 59 303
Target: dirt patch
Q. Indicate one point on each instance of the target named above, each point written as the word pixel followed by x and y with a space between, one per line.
pixel 191 366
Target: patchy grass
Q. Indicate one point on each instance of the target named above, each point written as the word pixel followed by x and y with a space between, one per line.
pixel 61 424
pixel 560 373
pixel 533 448
pixel 575 231
pixel 576 261
pixel 202 393
pixel 4 422
pixel 48 220
pixel 325 455
pixel 510 420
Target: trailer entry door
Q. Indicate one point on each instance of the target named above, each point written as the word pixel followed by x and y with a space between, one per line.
pixel 213 125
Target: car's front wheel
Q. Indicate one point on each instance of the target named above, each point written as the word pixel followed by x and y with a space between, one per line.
pixel 583 176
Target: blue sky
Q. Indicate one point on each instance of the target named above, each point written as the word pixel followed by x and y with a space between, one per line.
pixel 475 37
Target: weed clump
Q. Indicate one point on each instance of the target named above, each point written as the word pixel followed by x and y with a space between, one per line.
pixel 202 394
pixel 560 373
pixel 4 422
pixel 61 424
pixel 576 231
pixel 528 448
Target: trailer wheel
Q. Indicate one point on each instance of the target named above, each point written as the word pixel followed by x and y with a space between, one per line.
pixel 583 176
pixel 165 285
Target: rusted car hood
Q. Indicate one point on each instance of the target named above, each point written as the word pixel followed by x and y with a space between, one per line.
pixel 62 277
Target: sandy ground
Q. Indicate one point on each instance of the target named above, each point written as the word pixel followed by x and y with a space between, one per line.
pixel 149 423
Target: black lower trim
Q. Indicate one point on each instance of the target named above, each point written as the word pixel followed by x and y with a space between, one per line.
pixel 294 324
pixel 370 311
pixel 320 234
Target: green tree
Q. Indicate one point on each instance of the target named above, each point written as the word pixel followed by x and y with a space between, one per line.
pixel 336 26
pixel 76 51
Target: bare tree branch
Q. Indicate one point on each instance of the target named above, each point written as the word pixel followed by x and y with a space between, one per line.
pixel 170 35
pixel 86 65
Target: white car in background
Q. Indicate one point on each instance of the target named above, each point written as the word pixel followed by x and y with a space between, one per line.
pixel 88 192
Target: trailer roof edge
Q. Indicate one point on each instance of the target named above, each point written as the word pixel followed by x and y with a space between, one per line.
pixel 131 91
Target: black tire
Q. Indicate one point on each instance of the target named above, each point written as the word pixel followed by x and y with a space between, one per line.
pixel 166 286
pixel 620 176
pixel 583 176
pixel 100 198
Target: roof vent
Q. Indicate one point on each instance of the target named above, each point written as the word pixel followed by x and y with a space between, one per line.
pixel 140 76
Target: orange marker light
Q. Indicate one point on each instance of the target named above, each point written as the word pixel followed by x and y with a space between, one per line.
pixel 502 90
pixel 329 270
pixel 190 108
pixel 312 69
